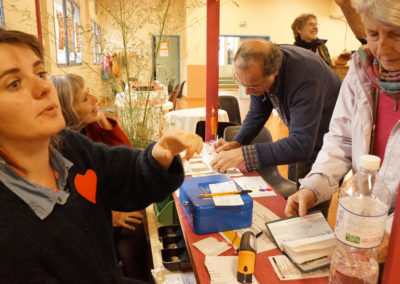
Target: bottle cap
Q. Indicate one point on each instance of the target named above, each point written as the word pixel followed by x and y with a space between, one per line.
pixel 370 162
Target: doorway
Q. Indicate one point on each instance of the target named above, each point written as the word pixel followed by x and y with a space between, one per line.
pixel 168 59
pixel 229 44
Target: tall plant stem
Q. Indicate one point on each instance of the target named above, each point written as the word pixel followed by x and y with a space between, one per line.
pixel 153 68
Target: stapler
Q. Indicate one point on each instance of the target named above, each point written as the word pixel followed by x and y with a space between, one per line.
pixel 246 258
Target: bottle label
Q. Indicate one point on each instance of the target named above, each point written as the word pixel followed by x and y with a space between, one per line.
pixel 358 225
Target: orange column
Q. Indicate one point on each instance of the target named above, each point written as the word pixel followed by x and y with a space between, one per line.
pixel 391 273
pixel 212 66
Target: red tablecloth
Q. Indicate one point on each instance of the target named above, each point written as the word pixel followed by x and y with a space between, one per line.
pixel 264 271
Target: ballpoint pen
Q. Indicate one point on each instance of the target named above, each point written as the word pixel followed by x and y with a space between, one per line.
pixel 225 193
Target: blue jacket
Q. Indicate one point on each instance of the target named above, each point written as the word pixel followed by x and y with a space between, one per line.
pixel 306 90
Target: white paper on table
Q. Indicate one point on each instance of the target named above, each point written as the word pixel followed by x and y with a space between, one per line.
pixel 255 183
pixel 226 200
pixel 286 270
pixel 223 269
pixel 197 166
pixel 211 246
pixel 180 278
pixel 261 215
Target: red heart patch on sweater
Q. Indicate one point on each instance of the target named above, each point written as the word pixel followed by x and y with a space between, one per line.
pixel 86 185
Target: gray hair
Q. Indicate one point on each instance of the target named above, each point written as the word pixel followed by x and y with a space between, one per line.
pixel 300 22
pixel 68 86
pixel 267 53
pixel 384 11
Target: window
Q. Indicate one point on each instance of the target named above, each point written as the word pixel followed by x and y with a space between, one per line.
pixel 68 32
pixel 2 24
pixel 96 40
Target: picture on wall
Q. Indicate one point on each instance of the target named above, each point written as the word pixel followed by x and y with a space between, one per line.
pixel 2 23
pixel 67 32
pixel 96 42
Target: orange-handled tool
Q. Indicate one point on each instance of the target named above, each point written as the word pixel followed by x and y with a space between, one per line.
pixel 246 258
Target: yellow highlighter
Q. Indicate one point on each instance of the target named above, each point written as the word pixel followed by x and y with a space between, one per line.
pixel 246 258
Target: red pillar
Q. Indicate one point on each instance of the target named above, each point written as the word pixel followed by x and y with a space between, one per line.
pixel 212 64
pixel 38 21
pixel 391 272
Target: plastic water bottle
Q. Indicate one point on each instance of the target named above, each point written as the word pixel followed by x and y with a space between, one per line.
pixel 364 202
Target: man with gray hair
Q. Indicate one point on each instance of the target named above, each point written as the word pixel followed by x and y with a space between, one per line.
pixel 300 87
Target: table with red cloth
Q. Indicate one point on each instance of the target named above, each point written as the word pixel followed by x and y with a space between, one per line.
pixel 264 271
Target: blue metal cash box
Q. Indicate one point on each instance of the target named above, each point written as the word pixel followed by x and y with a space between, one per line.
pixel 203 216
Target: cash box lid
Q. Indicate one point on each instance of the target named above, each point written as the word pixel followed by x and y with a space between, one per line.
pixel 203 216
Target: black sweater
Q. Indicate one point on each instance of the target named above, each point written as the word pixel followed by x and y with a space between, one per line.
pixel 74 243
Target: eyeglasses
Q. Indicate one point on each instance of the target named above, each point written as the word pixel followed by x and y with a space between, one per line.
pixel 313 25
pixel 254 87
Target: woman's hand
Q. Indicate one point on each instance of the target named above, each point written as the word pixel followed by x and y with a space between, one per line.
pixel 104 122
pixel 300 202
pixel 173 142
pixel 125 219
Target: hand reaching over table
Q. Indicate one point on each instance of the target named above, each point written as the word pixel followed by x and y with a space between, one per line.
pixel 300 202
pixel 227 159
pixel 222 145
pixel 173 142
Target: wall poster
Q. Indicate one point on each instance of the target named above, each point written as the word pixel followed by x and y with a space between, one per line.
pixel 68 32
pixel 2 23
pixel 96 41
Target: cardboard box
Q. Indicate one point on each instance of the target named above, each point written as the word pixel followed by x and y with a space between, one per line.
pixel 203 216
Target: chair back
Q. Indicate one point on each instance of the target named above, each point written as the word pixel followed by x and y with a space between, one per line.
pixel 180 90
pixel 231 106
pixel 173 95
pixel 171 86
pixel 201 128
pixel 271 174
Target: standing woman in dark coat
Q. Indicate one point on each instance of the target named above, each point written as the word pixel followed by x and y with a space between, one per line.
pixel 305 31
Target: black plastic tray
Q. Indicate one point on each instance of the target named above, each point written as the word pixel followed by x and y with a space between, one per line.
pixel 176 259
pixel 169 231
pixel 173 242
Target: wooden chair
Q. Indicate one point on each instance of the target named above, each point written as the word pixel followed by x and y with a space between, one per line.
pixel 180 93
pixel 173 95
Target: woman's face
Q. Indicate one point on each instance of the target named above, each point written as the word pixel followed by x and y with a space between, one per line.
pixel 384 43
pixel 29 106
pixel 310 30
pixel 85 106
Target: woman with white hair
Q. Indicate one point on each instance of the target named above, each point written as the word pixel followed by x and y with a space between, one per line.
pixel 367 112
